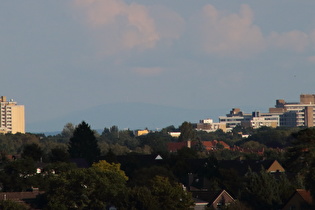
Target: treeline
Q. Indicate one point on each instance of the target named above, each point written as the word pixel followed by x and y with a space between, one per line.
pixel 124 141
pixel 152 186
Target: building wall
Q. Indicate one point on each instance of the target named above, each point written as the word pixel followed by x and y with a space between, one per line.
pixel 298 113
pixel 12 117
pixel 141 132
pixel 209 126
pixel 309 116
pixel 18 119
pixel 307 99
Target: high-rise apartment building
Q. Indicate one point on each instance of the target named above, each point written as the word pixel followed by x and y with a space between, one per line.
pixel 12 116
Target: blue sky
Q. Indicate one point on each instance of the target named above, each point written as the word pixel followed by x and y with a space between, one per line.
pixel 59 56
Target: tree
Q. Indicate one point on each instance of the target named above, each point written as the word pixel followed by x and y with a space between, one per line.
pixel 198 146
pixel 104 166
pixel 157 141
pixel 83 143
pixel 68 130
pixel 11 205
pixel 32 151
pixel 19 175
pixel 302 152
pixel 310 180
pixel 187 132
pixel 91 188
pixel 140 197
pixel 143 176
pixel 59 154
pixel 168 129
pixel 263 191
pixel 170 195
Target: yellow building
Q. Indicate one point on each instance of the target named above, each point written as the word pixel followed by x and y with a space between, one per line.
pixel 12 116
pixel 141 132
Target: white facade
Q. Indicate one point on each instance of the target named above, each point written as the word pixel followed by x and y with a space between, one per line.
pixel 269 121
pixel 208 120
pixel 209 126
pixel 254 120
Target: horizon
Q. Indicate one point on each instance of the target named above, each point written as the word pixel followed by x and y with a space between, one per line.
pixel 61 57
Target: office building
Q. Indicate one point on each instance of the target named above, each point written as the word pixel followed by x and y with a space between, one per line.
pixel 209 126
pixel 296 114
pixel 255 119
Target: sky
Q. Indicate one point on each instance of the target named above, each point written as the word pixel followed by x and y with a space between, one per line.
pixel 60 56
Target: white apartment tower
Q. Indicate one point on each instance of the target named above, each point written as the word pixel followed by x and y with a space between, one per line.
pixel 12 117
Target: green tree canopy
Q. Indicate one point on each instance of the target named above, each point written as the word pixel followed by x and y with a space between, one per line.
pixel 83 143
pixel 18 175
pixel 187 132
pixel 92 188
pixel 11 205
pixel 171 195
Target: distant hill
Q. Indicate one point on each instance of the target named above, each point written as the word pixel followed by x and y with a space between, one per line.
pixel 126 115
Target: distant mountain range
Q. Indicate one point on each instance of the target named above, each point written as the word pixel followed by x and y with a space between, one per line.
pixel 126 115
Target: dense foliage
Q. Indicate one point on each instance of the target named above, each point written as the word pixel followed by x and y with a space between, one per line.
pixel 134 185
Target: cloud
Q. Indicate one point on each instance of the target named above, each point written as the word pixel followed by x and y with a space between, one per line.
pixel 223 33
pixel 151 71
pixel 169 24
pixel 118 25
pixel 311 59
pixel 228 34
pixel 296 41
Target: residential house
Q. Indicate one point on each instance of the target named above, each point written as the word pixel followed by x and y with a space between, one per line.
pixel 174 146
pixel 300 199
pixel 174 134
pixel 199 204
pixel 214 145
pixel 216 200
pixel 209 145
pixel 26 198
pixel 242 166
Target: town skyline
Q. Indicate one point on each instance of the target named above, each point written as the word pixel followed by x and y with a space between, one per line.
pixel 140 116
pixel 64 57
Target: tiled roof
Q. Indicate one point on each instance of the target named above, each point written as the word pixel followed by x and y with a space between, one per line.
pixel 306 195
pixel 174 146
pixel 209 145
pixel 19 195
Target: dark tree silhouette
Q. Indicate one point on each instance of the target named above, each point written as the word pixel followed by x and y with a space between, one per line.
pixel 83 143
pixel 32 151
pixel 302 152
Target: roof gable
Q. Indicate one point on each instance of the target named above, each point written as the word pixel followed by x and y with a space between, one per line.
pixel 275 167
